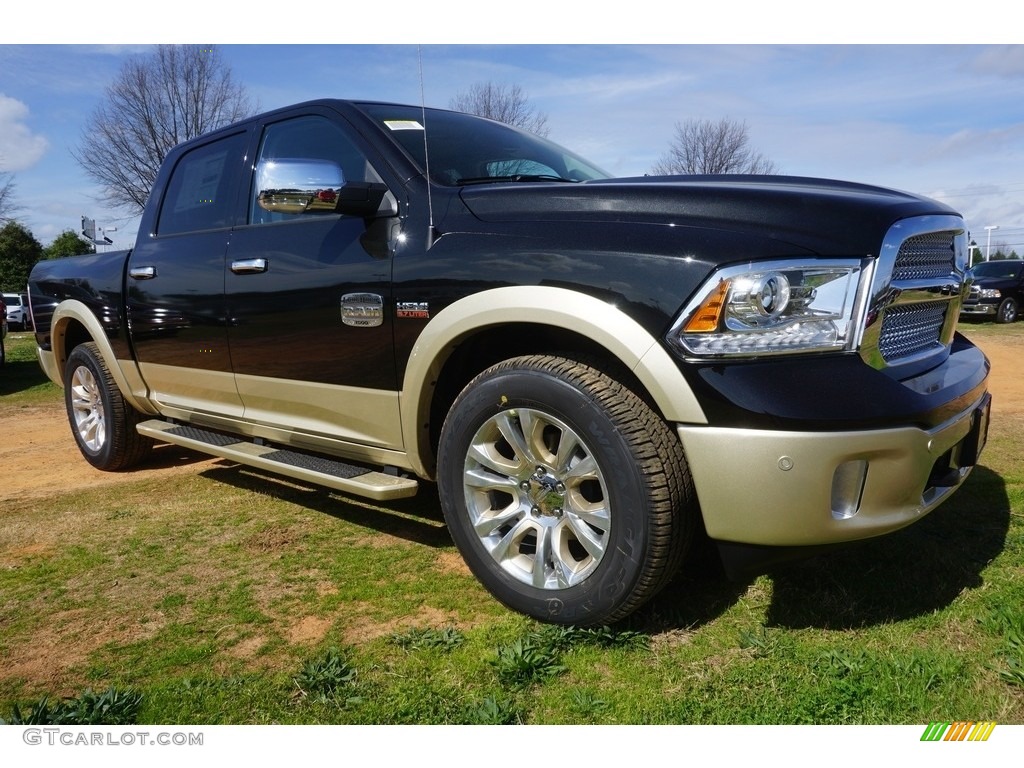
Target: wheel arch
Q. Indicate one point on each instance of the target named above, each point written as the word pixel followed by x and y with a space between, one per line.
pixel 475 332
pixel 73 323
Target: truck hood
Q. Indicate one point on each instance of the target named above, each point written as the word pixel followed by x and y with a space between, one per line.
pixel 820 215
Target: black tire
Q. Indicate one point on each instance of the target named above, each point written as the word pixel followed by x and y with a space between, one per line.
pixel 544 454
pixel 1007 312
pixel 101 421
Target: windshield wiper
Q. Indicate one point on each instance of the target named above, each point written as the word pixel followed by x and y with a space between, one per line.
pixel 515 177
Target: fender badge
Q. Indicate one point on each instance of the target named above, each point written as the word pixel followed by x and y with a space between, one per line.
pixel 362 310
pixel 417 310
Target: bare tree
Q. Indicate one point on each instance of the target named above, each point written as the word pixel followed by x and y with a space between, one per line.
pixel 507 103
pixel 7 204
pixel 708 147
pixel 157 101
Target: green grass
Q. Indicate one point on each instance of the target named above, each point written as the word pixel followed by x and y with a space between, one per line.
pixel 226 596
pixel 22 381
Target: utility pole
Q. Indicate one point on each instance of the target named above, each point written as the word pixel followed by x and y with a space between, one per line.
pixel 988 246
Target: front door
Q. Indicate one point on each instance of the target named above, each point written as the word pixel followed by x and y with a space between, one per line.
pixel 291 281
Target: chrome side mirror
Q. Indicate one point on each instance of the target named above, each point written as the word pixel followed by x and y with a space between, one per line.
pixel 298 186
pixel 315 186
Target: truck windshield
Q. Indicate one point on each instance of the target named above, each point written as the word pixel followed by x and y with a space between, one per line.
pixel 465 149
pixel 1006 269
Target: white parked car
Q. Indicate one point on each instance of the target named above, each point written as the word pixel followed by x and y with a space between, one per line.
pixel 3 331
pixel 17 311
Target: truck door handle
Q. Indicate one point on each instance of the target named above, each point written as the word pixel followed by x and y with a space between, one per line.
pixel 249 266
pixel 142 273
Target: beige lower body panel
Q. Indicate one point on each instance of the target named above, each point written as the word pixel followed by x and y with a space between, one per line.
pixel 775 488
pixel 349 422
pixel 367 417
pixel 192 389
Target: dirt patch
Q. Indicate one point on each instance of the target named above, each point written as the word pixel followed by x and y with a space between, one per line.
pixel 1007 380
pixel 309 630
pixel 67 639
pixel 361 629
pixel 39 456
pixel 451 562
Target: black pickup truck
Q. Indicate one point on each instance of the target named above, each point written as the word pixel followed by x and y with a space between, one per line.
pixel 997 290
pixel 596 372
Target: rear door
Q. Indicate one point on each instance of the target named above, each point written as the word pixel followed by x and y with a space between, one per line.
pixel 175 287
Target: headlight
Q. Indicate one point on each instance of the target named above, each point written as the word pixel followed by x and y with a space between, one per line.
pixel 990 293
pixel 774 308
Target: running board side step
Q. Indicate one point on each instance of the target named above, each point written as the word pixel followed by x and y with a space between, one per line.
pixel 349 478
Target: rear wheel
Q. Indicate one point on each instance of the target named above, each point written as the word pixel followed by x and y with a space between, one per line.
pixel 567 495
pixel 102 422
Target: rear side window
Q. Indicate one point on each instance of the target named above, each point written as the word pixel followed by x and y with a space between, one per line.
pixel 201 192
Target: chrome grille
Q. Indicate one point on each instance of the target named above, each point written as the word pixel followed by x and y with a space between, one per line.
pixel 916 292
pixel 912 329
pixel 925 257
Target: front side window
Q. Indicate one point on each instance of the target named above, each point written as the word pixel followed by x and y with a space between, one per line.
pixel 308 142
pixel 200 194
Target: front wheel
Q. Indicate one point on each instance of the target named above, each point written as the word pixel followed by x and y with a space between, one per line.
pixel 1007 312
pixel 102 422
pixel 567 495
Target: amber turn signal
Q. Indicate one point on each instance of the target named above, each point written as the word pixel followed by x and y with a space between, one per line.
pixel 708 314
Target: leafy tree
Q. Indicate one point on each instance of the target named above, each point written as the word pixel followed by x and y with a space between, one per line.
pixel 67 243
pixel 507 103
pixel 709 147
pixel 156 102
pixel 19 251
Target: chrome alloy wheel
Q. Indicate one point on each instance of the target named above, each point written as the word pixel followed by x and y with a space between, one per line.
pixel 87 409
pixel 537 499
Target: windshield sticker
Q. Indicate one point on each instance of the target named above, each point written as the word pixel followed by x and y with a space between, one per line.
pixel 403 125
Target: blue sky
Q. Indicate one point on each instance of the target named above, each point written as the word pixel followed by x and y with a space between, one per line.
pixel 942 120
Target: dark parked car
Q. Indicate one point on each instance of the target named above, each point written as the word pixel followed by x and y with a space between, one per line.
pixel 997 291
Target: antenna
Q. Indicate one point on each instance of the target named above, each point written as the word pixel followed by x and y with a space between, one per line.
pixel 431 232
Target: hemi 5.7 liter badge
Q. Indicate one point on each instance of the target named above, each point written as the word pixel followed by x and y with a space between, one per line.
pixel 415 309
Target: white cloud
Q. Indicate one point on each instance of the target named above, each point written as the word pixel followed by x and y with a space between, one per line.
pixel 20 148
pixel 1000 60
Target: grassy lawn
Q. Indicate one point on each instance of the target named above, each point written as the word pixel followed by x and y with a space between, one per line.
pixel 225 596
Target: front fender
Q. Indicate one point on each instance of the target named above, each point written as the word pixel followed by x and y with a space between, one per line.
pixel 605 324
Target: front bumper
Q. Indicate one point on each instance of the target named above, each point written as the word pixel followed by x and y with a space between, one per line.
pixel 979 309
pixel 790 489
